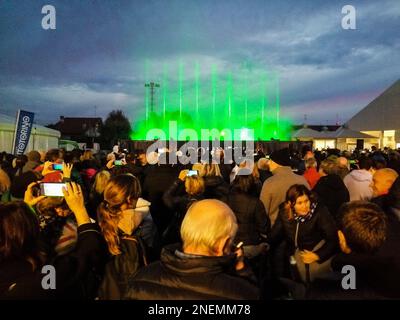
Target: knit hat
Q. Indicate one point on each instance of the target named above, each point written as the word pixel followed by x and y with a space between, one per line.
pixel 281 157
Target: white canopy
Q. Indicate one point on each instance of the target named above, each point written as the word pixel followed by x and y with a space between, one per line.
pixel 42 138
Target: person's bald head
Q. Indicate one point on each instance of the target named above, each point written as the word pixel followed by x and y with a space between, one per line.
pixel 382 181
pixel 208 228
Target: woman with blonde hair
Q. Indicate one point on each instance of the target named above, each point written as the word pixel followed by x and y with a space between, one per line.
pixel 210 170
pixel 96 192
pixel 215 185
pixel 116 214
pixel 122 217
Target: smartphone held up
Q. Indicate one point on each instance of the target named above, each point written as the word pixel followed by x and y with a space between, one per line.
pixel 52 189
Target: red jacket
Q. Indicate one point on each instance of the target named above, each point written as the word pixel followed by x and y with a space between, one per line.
pixel 312 177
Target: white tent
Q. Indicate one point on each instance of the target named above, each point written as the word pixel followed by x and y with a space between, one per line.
pixel 42 138
pixel 381 118
pixel 345 132
pixel 306 134
pixel 383 113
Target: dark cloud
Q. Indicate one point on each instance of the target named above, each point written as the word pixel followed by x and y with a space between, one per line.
pixel 103 52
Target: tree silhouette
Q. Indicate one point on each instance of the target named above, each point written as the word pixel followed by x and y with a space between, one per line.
pixel 116 127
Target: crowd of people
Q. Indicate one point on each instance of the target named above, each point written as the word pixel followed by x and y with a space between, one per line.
pixel 124 227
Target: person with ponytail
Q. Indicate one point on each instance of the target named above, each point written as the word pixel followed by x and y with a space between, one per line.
pixel 125 222
pixel 309 230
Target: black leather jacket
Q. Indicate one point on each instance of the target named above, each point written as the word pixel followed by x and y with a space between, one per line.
pixel 178 276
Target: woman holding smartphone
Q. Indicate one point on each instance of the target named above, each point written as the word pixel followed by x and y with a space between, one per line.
pixel 22 256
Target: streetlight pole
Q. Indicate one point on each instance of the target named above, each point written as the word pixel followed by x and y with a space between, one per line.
pixel 152 85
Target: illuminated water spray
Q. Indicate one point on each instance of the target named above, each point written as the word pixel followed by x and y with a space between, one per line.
pixel 164 88
pixel 199 98
pixel 197 74
pixel 180 89
pixel 214 93
pixel 277 106
pixel 229 96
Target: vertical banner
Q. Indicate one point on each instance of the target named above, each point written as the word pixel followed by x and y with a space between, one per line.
pixel 22 133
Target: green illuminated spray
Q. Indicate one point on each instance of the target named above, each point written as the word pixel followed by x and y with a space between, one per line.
pixel 229 96
pixel 214 93
pixel 164 89
pixel 197 73
pixel 237 100
pixel 180 89
pixel 277 106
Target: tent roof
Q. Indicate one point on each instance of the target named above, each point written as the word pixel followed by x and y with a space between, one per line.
pixel 325 134
pixel 341 132
pixel 7 123
pixel 383 113
pixel 344 132
pixel 306 133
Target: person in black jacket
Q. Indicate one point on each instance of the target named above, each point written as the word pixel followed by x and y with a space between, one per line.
pixel 330 188
pixel 204 267
pixel 253 222
pixel 386 186
pixel 254 225
pixel 157 179
pixel 179 204
pixel 363 231
pixel 309 231
pixel 21 257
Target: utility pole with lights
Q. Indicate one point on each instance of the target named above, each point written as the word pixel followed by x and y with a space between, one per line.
pixel 152 85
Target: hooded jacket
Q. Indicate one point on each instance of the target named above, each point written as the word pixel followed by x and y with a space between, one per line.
pixel 358 184
pixel 139 217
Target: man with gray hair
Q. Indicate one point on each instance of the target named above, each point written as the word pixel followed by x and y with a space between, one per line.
pixel 204 266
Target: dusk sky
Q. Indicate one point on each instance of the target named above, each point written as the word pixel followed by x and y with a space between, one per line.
pixel 102 53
